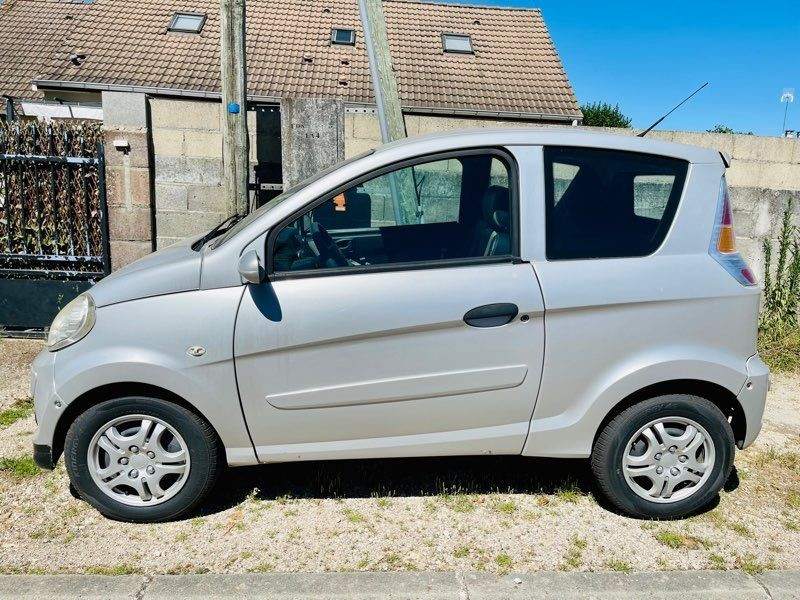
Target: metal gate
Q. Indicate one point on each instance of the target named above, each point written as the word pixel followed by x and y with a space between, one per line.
pixel 53 218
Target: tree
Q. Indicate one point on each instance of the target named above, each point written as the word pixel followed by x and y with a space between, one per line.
pixel 725 129
pixel 602 114
pixel 720 129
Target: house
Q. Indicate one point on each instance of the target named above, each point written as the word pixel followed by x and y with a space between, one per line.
pixel 150 70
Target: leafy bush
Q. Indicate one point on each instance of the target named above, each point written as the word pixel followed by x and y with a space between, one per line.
pixel 602 114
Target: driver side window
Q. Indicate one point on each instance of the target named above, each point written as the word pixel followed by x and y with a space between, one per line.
pixel 451 208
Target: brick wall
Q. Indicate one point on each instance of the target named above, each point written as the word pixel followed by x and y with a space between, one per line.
pixel 127 177
pixel 187 145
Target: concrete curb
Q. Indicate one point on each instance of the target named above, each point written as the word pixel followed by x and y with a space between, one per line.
pixel 429 586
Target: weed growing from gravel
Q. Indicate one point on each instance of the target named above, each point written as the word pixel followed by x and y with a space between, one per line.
pixel 461 503
pixel 507 507
pixel 181 537
pixel 263 567
pixel 115 570
pixel 461 552
pixel 619 565
pixel 793 499
pixel 21 409
pixel 751 565
pixel 569 493
pixel 503 562
pixel 574 556
pixel 20 467
pixel 383 502
pixel 740 528
pixel 673 539
pixel 716 562
pixel 354 517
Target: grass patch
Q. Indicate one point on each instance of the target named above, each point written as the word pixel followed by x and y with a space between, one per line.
pixel 503 562
pixel 20 467
pixel 619 565
pixel 354 517
pixel 461 503
pixel 793 499
pixel 716 562
pixel 740 528
pixel 569 493
pixel 574 556
pixel 780 349
pixel 787 460
pixel 752 566
pixel 506 507
pixel 21 409
pixel 673 539
pixel 115 570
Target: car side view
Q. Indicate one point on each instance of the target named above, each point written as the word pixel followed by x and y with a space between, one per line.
pixel 543 292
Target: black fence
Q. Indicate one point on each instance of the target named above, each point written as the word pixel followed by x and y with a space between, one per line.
pixel 53 217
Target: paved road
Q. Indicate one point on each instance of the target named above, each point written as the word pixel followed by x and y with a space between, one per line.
pixel 427 586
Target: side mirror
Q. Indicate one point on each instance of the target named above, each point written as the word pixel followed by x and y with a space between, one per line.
pixel 250 267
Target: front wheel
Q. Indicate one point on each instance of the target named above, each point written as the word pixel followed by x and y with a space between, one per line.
pixel 142 459
pixel 665 457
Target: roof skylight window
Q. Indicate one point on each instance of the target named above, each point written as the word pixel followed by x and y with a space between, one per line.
pixel 343 37
pixel 457 43
pixel 187 22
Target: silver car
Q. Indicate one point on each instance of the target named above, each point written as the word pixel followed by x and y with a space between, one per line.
pixel 543 292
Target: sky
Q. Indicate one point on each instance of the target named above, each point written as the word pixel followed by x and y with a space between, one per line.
pixel 647 55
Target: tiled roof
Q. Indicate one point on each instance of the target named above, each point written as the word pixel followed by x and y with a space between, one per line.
pixel 515 67
pixel 31 31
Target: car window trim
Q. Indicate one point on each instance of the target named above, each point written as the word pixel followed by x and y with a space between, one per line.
pixel 513 188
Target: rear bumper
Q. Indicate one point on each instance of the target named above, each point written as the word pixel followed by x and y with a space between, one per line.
pixel 753 398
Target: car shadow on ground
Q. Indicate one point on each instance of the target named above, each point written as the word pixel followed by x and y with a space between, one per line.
pixel 403 477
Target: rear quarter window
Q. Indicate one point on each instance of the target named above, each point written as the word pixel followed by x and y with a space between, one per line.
pixel 608 203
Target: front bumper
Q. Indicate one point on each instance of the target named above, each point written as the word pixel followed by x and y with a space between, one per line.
pixel 753 398
pixel 48 407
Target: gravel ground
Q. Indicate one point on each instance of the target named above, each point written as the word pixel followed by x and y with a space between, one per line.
pixel 495 514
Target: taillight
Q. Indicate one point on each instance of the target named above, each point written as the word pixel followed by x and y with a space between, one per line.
pixel 723 241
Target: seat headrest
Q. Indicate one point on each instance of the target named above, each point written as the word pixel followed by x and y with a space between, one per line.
pixel 500 221
pixel 495 198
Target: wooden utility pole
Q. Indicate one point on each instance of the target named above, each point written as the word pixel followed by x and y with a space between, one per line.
pixel 387 101
pixel 235 146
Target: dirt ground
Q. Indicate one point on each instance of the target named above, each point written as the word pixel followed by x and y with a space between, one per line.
pixel 496 514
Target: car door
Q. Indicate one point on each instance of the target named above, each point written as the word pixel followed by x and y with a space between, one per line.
pixel 436 350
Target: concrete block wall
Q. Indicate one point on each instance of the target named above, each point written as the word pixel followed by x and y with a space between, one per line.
pixel 764 175
pixel 187 147
pixel 127 177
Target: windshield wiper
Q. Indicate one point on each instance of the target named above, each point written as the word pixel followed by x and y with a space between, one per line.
pixel 218 230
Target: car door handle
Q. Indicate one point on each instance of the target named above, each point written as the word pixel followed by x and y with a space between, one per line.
pixel 491 315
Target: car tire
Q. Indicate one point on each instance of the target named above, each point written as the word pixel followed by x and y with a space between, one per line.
pixel 667 471
pixel 121 451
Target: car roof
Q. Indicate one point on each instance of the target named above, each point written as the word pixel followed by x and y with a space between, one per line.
pixel 547 136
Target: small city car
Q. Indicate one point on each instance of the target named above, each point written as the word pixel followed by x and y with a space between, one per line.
pixel 536 292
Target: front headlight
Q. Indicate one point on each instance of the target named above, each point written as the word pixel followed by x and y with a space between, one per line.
pixel 74 321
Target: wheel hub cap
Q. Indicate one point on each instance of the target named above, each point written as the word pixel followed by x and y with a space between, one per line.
pixel 138 460
pixel 668 460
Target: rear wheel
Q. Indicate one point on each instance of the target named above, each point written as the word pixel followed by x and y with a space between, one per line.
pixel 142 459
pixel 666 457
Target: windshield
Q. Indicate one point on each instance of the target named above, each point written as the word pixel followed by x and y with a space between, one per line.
pixel 264 209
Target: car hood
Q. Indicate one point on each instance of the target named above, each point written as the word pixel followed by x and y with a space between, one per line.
pixel 173 269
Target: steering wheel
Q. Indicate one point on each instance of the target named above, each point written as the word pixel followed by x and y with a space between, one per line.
pixel 325 247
